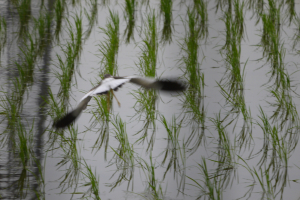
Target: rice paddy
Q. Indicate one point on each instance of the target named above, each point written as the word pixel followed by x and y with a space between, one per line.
pixel 233 134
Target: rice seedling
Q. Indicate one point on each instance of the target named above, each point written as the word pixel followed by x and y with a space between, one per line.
pixel 174 153
pixel 110 46
pixel 23 8
pixel 193 101
pixel 101 113
pixel 290 11
pixel 200 7
pixel 93 182
pixel 71 159
pixel 124 156
pixel 275 149
pixel 3 34
pixel 226 153
pixel 60 6
pixel 24 144
pixel 166 12
pixel 153 186
pixel 43 26
pixel 208 185
pixel 271 43
pixel 146 99
pixel 92 18
pixel 129 15
pixel 237 104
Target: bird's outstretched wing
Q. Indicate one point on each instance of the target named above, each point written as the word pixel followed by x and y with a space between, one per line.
pixel 113 83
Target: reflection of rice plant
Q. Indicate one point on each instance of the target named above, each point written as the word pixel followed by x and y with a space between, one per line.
pixel 166 12
pixel 92 18
pixel 193 102
pixel 93 182
pixel 208 185
pixel 129 15
pixel 60 6
pixel 174 153
pixel 124 158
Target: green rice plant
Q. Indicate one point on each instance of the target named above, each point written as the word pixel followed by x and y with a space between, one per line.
pixel 101 114
pixel 264 179
pixel 275 149
pixel 290 11
pixel 93 182
pixel 193 100
pixel 92 18
pixel 43 26
pixel 124 158
pixel 208 185
pixel 25 142
pixel 257 6
pixel 273 50
pixel 166 12
pixel 145 105
pixel 200 7
pixel 129 15
pixel 153 186
pixel 238 105
pixel 174 153
pixel 234 75
pixel 226 153
pixel 3 33
pixel 71 159
pixel 23 8
pixel 60 7
pixel 110 46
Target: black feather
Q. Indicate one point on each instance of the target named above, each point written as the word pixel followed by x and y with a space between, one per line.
pixel 171 85
pixel 65 121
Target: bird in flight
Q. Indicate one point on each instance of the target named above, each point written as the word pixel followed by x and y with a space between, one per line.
pixel 113 83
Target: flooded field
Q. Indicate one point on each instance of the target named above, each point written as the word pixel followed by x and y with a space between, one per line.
pixel 232 134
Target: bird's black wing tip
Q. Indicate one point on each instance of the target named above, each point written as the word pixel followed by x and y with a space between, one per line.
pixel 64 121
pixel 172 85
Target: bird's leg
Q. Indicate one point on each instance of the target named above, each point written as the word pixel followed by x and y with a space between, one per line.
pixel 115 97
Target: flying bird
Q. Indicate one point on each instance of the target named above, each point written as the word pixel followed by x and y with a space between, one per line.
pixel 113 83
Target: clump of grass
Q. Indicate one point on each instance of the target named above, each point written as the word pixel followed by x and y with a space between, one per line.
pixel 24 10
pixel 200 7
pixel 60 6
pixel 124 158
pixel 93 182
pixel 110 46
pixel 71 159
pixel 238 105
pixel 166 12
pixel 208 185
pixel 177 157
pixel 146 99
pixel 101 115
pixel 193 101
pixel 153 186
pixel 129 15
pixel 271 44
pixel 275 149
pixel 225 154
pixel 92 18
